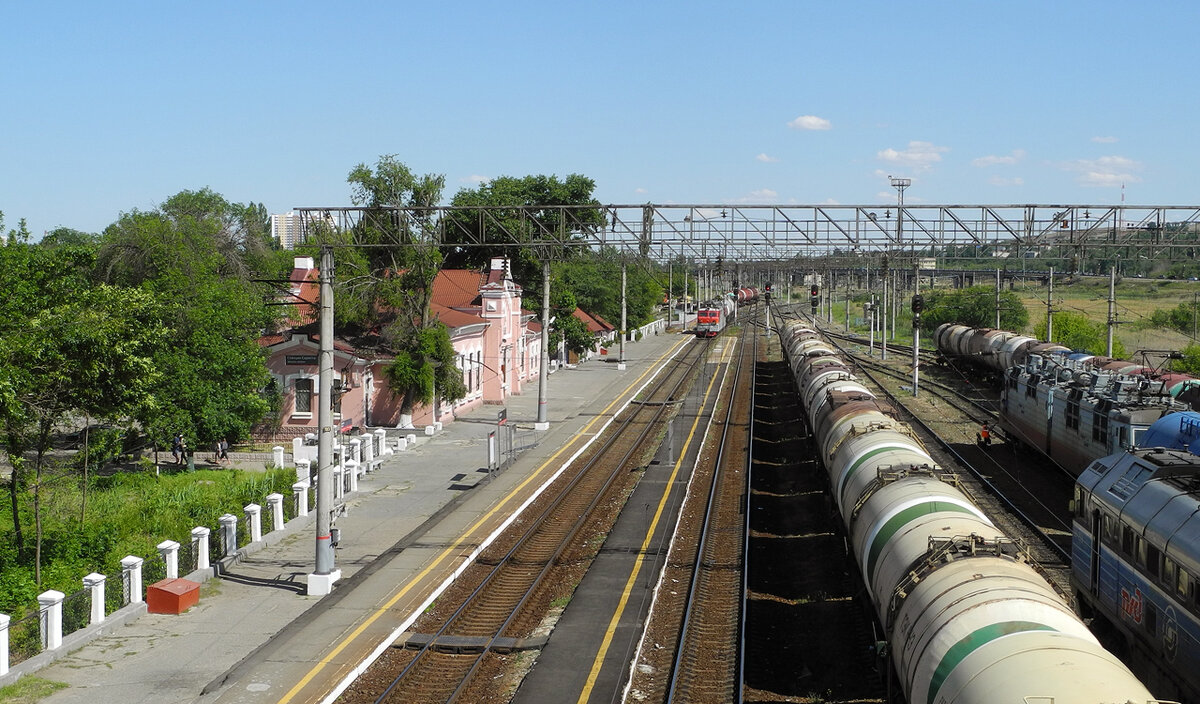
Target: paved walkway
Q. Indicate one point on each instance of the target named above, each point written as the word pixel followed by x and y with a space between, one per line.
pixel 256 637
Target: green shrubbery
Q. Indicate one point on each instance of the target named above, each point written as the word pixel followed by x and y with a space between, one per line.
pixel 127 514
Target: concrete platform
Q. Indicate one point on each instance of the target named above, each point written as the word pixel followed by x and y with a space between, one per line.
pixel 256 637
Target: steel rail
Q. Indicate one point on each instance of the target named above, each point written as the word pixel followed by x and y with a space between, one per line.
pixel 534 526
pixel 691 603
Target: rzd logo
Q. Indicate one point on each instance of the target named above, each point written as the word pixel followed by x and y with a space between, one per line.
pixel 1132 604
pixel 1170 635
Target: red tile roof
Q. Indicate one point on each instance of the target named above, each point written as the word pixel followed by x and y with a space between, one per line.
pixel 457 288
pixel 607 325
pixel 454 318
pixel 592 325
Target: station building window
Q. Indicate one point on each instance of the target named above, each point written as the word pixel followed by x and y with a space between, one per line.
pixel 304 396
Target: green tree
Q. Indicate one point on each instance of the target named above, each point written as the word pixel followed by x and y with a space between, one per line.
pixel 197 256
pixel 566 329
pixel 502 217
pixel 90 355
pixel 388 285
pixel 34 279
pixel 974 306
pixel 1079 332
pixel 1190 364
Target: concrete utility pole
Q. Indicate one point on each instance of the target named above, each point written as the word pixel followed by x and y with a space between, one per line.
pixel 883 309
pixel 621 360
pixel 321 581
pixel 1049 308
pixel 543 420
pixel 671 292
pixel 997 299
pixel 847 303
pixel 1112 311
pixel 870 306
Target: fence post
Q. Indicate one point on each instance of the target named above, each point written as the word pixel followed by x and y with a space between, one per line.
pixel 381 438
pixel 131 571
pixel 277 456
pixel 368 449
pixel 300 492
pixel 254 518
pixel 200 538
pixel 356 449
pixel 94 583
pixel 339 482
pixel 4 644
pixel 51 618
pixel 275 504
pixel 303 467
pixel 228 534
pixel 169 549
pixel 351 469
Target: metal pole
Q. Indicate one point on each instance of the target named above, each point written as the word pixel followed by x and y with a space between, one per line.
pixel 543 421
pixel 916 351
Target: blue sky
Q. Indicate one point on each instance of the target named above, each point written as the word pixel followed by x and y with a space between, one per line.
pixel 110 107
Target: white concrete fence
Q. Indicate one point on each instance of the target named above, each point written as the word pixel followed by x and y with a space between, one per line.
pixel 362 455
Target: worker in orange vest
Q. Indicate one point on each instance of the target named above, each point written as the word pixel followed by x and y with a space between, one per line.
pixel 984 437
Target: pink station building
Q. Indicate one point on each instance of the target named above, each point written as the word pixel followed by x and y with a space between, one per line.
pixel 498 346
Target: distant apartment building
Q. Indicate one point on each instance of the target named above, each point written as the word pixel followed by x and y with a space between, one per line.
pixel 285 228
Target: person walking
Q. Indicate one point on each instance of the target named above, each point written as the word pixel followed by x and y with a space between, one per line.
pixel 984 438
pixel 223 451
pixel 177 448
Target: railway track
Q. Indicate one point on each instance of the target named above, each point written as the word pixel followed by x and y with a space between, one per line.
pixel 696 624
pixel 463 645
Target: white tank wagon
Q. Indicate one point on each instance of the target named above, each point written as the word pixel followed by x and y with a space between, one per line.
pixel 966 619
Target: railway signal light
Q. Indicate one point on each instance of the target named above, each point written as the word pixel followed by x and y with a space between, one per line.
pixel 918 304
pixel 815 290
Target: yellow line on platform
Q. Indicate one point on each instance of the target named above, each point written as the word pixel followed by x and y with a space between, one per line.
pixel 610 633
pixel 458 543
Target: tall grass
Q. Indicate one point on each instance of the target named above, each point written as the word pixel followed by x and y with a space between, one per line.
pixel 127 514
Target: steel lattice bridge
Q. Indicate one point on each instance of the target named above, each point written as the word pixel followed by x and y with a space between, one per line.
pixel 776 233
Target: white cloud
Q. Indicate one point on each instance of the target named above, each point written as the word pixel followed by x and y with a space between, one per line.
pixel 810 122
pixel 1002 181
pixel 474 178
pixel 1105 172
pixel 918 155
pixel 993 160
pixel 762 195
pixel 1104 140
pixel 640 191
pixel 765 158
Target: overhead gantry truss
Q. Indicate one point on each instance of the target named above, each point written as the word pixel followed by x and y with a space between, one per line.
pixel 765 233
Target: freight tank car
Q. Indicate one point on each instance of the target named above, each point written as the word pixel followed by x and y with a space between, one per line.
pixel 967 620
pixel 1135 553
